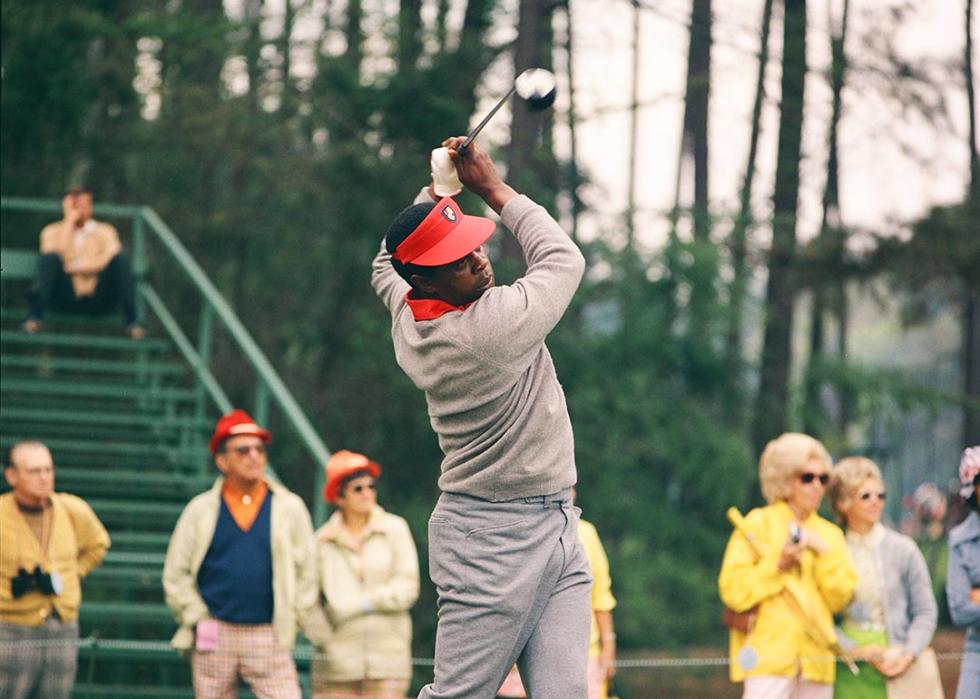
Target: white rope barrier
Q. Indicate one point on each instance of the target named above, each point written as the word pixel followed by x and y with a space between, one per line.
pixel 308 653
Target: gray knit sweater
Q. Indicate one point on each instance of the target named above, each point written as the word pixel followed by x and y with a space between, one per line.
pixel 493 396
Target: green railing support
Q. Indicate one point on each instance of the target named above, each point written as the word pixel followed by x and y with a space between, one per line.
pixel 261 413
pixel 263 368
pixel 205 329
pixel 269 385
pixel 139 262
pixel 197 363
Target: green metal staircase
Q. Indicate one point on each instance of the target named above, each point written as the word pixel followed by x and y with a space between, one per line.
pixel 127 423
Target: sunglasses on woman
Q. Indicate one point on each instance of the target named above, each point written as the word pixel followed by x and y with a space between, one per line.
pixel 868 494
pixel 808 478
pixel 360 487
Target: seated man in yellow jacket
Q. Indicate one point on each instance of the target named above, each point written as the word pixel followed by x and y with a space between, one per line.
pixel 82 268
pixel 48 542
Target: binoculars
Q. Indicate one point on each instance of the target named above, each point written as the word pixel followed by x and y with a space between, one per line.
pixel 25 582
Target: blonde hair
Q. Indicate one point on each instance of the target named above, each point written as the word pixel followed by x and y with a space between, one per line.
pixel 848 475
pixel 785 457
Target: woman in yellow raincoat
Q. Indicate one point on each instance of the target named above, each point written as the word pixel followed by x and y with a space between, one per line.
pixel 786 570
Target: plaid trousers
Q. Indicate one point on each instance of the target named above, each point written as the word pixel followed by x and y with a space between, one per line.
pixel 38 662
pixel 249 651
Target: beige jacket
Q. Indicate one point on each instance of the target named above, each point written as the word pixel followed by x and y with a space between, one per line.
pixel 368 595
pixel 294 592
pixel 96 248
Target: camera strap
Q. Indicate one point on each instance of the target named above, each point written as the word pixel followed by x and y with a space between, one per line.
pixel 43 537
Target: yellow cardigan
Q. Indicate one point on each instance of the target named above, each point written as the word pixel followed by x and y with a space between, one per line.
pixel 602 596
pixel 827 580
pixel 76 545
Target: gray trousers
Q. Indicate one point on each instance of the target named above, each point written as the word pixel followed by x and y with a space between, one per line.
pixel 38 662
pixel 969 682
pixel 514 586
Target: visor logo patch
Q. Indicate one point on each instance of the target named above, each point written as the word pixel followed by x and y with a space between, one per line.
pixel 449 213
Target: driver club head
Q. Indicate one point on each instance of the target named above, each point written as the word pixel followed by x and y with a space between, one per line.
pixel 537 87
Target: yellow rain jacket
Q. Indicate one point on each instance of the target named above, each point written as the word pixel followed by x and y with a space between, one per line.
pixel 781 645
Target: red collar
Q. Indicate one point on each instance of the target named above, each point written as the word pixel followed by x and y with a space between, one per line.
pixel 430 309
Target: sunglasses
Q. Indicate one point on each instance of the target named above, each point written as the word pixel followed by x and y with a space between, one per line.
pixel 810 477
pixel 361 487
pixel 868 494
pixel 245 449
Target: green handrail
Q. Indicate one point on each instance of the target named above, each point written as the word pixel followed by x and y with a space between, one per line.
pixel 270 385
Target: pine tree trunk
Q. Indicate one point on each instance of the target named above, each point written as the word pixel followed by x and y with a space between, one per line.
pixel 971 307
pixel 525 127
pixel 831 241
pixel 704 266
pixel 738 288
pixel 772 403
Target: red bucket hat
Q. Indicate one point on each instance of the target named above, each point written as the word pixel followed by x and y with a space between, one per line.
pixel 444 236
pixel 236 423
pixel 342 464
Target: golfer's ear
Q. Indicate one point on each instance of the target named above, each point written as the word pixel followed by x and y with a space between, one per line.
pixel 423 284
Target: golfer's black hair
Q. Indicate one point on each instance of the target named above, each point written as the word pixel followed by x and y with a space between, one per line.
pixel 403 225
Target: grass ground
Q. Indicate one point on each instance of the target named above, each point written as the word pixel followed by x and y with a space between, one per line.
pixel 712 682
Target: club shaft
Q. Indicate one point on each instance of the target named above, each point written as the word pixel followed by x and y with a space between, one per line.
pixel 479 127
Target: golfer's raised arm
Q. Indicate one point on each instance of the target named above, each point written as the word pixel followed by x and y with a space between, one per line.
pixel 479 175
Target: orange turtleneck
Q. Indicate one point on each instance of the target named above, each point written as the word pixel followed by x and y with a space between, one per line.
pixel 244 505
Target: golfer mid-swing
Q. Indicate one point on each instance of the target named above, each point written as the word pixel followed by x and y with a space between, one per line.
pixel 512 579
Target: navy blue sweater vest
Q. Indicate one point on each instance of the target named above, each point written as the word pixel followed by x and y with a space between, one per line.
pixel 235 578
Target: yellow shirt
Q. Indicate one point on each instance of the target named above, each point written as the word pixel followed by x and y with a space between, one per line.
pixel 76 545
pixel 602 597
pixel 781 645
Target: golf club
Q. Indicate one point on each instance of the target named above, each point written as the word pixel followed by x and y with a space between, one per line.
pixel 536 86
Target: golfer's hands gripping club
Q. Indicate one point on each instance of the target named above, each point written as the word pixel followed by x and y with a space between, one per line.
pixel 478 173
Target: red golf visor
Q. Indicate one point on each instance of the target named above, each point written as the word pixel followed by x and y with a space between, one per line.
pixel 444 236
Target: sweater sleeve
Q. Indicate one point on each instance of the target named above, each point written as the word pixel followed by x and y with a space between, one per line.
pixel 923 610
pixel 179 582
pixel 513 321
pixel 962 610
pixel 402 589
pixel 309 613
pixel 90 534
pixel 602 596
pixel 834 571
pixel 50 238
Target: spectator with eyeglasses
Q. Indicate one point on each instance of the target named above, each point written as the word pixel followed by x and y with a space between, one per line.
pixel 892 617
pixel 48 542
pixel 963 575
pixel 775 648
pixel 240 573
pixel 369 575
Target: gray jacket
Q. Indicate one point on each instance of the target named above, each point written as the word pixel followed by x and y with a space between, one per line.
pixel 910 605
pixel 493 395
pixel 962 575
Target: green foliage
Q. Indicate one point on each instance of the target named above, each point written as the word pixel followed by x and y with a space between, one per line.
pixel 283 188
